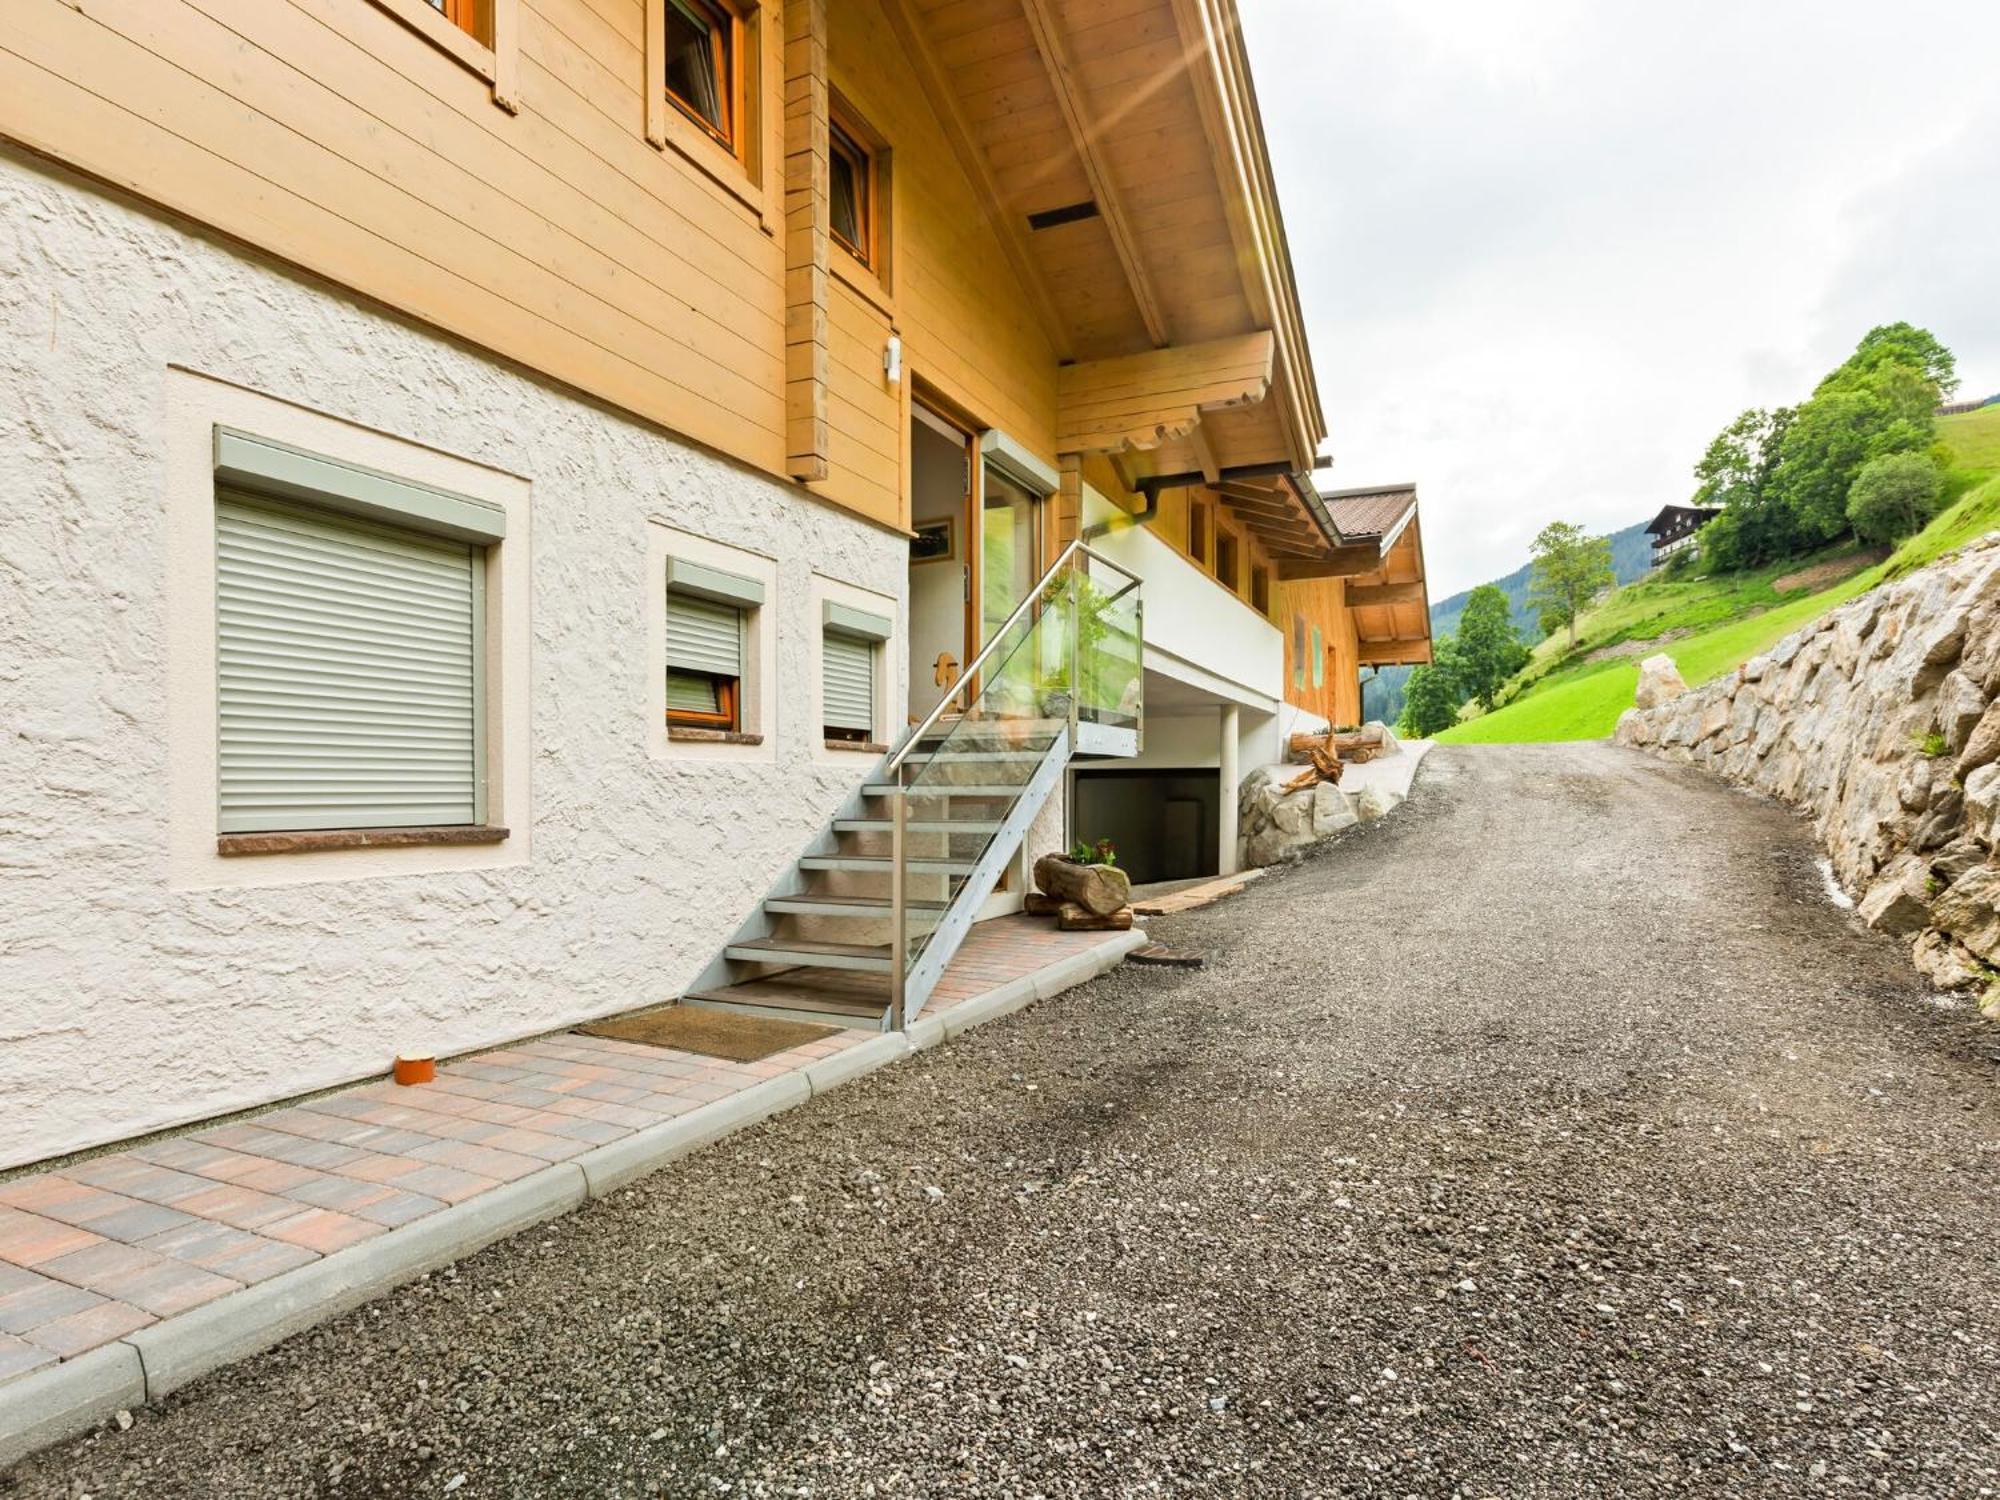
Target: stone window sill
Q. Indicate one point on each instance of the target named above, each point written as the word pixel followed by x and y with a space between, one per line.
pixel 681 734
pixel 311 840
pixel 859 747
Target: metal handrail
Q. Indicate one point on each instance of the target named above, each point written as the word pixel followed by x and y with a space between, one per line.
pixel 1028 601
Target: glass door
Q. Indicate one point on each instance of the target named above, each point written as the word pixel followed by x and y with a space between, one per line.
pixel 1010 553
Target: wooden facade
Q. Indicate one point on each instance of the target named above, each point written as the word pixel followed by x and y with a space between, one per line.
pixel 1096 280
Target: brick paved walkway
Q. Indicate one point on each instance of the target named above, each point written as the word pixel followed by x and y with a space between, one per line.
pixel 99 1247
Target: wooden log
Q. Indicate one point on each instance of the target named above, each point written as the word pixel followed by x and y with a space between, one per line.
pixel 1074 918
pixel 1100 889
pixel 1041 904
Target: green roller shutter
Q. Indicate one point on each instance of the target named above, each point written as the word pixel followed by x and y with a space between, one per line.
pixel 348 660
pixel 850 682
pixel 703 636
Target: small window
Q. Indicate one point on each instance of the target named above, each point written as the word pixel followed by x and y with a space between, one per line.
pixel 1298 651
pixel 464 14
pixel 851 172
pixel 1260 589
pixel 1198 530
pixel 851 653
pixel 1225 559
pixel 1319 659
pixel 701 64
pixel 708 615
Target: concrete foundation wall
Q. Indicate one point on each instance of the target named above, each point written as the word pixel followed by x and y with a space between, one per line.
pixel 131 999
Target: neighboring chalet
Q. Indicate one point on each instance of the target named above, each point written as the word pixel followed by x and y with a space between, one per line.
pixel 509 499
pixel 1674 529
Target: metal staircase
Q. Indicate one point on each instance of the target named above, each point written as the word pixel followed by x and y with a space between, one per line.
pixel 860 928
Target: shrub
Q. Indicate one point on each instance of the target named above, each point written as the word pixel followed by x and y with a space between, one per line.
pixel 1894 496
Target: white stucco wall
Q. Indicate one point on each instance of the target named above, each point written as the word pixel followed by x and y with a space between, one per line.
pixel 128 1002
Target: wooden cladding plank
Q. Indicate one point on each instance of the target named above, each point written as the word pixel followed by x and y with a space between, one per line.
pixel 1142 400
pixel 807 221
pixel 1413 652
pixel 1342 562
pixel 1366 596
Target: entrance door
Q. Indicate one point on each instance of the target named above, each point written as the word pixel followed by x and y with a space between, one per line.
pixel 942 629
pixel 1010 554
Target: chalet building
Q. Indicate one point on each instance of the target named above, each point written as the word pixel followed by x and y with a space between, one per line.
pixel 514 510
pixel 1674 529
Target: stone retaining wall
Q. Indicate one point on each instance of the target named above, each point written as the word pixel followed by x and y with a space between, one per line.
pixel 1879 720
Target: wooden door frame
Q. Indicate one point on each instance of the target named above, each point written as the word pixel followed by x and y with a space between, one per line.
pixel 952 415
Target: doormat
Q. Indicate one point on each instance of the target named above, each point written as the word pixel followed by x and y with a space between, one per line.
pixel 1164 957
pixel 712 1033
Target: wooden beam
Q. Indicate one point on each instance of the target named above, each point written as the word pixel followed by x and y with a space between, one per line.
pixel 1204 455
pixel 808 216
pixel 1083 134
pixel 1384 593
pixel 941 91
pixel 1144 400
pixel 1342 562
pixel 1407 651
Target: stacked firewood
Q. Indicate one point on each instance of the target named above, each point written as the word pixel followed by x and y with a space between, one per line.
pixel 1081 897
pixel 1325 754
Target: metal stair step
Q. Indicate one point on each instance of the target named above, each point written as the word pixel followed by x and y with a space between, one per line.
pixel 915 825
pixel 864 864
pixel 832 997
pixel 925 912
pixel 860 958
pixel 895 789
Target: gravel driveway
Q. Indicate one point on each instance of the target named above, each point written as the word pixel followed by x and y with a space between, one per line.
pixel 1554 1137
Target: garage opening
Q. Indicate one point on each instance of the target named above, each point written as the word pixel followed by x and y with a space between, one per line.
pixel 1164 823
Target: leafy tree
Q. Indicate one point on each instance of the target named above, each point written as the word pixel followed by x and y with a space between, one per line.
pixel 1489 650
pixel 1894 496
pixel 1569 567
pixel 1735 474
pixel 1907 345
pixel 1843 426
pixel 1432 695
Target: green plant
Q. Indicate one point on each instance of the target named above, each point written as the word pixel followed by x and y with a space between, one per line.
pixel 1931 744
pixel 1103 852
pixel 1894 496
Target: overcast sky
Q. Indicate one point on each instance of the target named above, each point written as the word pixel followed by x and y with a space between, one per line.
pixel 1547 248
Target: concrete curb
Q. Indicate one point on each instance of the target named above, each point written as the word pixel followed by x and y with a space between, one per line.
pixel 63 1400
pixel 610 1167
pixel 60 1401
pixel 244 1323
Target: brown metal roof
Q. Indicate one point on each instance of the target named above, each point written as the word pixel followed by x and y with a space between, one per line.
pixel 1372 512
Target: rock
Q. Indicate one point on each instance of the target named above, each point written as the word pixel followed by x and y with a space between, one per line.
pixel 1635 728
pixel 1331 811
pixel 1982 743
pixel 1961 703
pixel 1390 744
pixel 1294 814
pixel 1938 648
pixel 1957 858
pixel 1967 911
pixel 1943 822
pixel 1269 848
pixel 1982 803
pixel 1660 681
pixel 1913 791
pixel 1373 802
pixel 1946 962
pixel 1898 902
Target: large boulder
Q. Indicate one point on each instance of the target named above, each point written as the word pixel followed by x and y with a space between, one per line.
pixel 1981 803
pixel 1331 810
pixel 1660 681
pixel 1390 744
pixel 1372 802
pixel 1898 902
pixel 1947 962
pixel 1969 910
pixel 1961 703
pixel 1982 743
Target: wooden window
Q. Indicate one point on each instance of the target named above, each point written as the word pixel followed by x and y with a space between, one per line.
pixel 701 63
pixel 1319 659
pixel 1198 530
pixel 1260 588
pixel 1298 651
pixel 1226 568
pixel 851 186
pixel 466 15
pixel 708 616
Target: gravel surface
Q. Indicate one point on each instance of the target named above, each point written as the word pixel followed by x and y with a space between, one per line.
pixel 1553 1137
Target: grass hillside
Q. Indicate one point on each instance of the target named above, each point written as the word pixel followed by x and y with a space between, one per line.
pixel 1715 624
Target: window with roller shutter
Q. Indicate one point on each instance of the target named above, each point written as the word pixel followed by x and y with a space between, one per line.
pixel 851 649
pixel 708 614
pixel 349 664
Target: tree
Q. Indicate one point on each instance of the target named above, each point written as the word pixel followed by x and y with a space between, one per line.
pixel 1844 425
pixel 1735 475
pixel 1489 649
pixel 1569 567
pixel 1431 697
pixel 1894 496
pixel 1903 344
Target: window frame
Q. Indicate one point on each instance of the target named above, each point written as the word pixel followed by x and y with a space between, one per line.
pixel 1198 532
pixel 842 142
pixel 728 718
pixel 1260 588
pixel 467 15
pixel 1227 542
pixel 725 29
pixel 874 632
pixel 489 47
